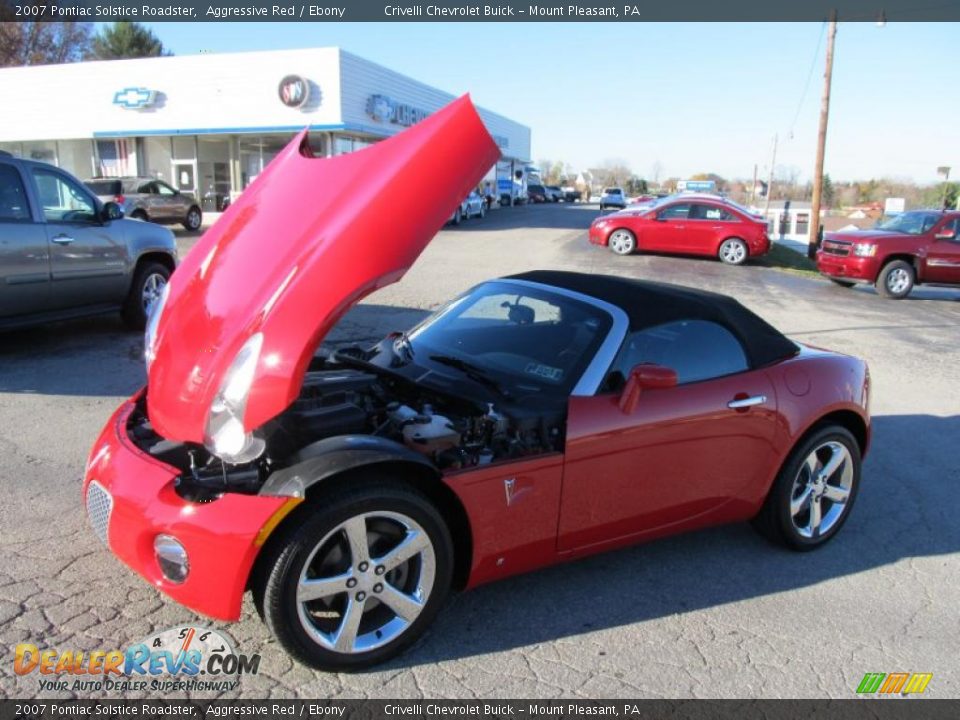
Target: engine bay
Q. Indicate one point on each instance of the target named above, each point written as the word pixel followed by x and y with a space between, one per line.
pixel 454 433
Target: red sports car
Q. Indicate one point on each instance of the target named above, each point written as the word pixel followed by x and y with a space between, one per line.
pixel 535 419
pixel 688 225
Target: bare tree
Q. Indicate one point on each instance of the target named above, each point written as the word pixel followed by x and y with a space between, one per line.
pixel 43 43
pixel 656 170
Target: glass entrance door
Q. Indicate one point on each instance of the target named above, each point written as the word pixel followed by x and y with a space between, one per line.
pixel 185 176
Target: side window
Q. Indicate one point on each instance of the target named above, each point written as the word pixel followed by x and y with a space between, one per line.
pixel 164 189
pixel 675 212
pixel 13 196
pixel 711 212
pixel 62 199
pixel 954 227
pixel 149 188
pixel 696 349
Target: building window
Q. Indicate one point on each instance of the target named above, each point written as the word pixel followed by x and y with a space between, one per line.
pixel 76 157
pixel 803 223
pixel 43 150
pixel 157 156
pixel 116 158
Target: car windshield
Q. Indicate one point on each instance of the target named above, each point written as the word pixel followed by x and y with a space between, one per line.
pixel 521 338
pixel 911 223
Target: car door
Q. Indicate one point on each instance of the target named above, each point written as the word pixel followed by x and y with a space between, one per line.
pixel 943 254
pixel 707 225
pixel 88 257
pixel 24 258
pixel 683 456
pixel 175 202
pixel 665 229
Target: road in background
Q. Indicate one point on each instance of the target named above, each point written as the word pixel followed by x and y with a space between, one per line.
pixel 719 613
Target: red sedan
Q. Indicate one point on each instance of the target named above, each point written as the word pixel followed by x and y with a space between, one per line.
pixel 535 419
pixel 687 225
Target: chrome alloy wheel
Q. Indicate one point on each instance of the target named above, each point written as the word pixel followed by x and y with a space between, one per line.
pixel 153 286
pixel 622 242
pixel 898 280
pixel 821 490
pixel 366 582
pixel 733 252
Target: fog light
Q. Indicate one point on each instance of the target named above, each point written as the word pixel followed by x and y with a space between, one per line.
pixel 172 558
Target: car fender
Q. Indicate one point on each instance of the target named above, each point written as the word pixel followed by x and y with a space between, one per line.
pixel 333 456
pixel 147 238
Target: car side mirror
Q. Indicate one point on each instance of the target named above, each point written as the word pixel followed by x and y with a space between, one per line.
pixel 111 211
pixel 645 377
pixel 946 235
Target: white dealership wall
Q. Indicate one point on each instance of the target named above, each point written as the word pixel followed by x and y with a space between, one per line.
pixel 50 110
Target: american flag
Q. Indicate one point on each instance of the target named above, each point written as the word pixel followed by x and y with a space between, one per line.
pixel 114 156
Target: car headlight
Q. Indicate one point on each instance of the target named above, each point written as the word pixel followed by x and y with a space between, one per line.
pixel 150 334
pixel 225 435
pixel 864 249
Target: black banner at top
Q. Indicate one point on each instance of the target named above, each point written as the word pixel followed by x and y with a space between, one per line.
pixel 475 10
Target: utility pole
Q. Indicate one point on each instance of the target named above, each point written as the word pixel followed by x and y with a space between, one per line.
pixel 753 188
pixel 773 162
pixel 822 140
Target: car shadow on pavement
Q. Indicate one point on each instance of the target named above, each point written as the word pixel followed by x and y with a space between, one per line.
pixel 98 357
pixel 906 509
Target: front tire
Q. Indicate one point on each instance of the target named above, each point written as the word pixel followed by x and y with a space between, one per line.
pixel 360 579
pixel 148 283
pixel 733 251
pixel 814 492
pixel 622 242
pixel 896 280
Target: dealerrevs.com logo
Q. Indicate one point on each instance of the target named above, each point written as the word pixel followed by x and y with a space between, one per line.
pixel 179 659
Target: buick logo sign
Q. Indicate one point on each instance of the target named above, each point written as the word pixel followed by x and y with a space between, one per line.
pixel 294 91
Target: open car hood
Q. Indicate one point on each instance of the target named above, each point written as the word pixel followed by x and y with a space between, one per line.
pixel 307 240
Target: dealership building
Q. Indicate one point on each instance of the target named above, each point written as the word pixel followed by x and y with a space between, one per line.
pixel 210 123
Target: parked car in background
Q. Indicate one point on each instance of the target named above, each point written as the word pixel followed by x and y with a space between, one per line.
pixel 553 192
pixel 685 224
pixel 571 194
pixel 912 248
pixel 66 254
pixel 536 193
pixel 145 198
pixel 613 197
pixel 643 199
pixel 473 205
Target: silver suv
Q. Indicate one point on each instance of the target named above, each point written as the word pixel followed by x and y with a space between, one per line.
pixel 145 198
pixel 64 253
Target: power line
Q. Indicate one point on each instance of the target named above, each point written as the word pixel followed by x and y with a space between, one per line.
pixel 806 86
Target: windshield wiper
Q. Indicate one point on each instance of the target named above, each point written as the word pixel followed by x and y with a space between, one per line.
pixel 473 372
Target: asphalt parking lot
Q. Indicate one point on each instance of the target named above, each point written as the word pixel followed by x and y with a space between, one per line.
pixel 719 613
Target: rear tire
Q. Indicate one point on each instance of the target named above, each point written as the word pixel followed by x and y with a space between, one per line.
pixel 140 215
pixel 896 280
pixel 457 217
pixel 733 251
pixel 342 538
pixel 194 219
pixel 808 478
pixel 148 282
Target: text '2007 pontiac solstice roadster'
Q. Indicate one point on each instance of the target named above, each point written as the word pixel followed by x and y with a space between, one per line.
pixel 534 419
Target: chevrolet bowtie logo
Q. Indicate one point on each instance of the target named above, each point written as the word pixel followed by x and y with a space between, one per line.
pixel 134 98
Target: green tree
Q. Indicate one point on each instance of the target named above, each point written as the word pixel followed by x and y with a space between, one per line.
pixel 126 40
pixel 42 43
pixel 827 193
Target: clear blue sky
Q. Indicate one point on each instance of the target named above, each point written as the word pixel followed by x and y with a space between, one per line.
pixel 695 97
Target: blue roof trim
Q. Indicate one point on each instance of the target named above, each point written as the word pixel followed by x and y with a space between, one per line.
pixel 234 130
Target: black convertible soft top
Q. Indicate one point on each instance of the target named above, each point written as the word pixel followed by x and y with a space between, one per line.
pixel 649 303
